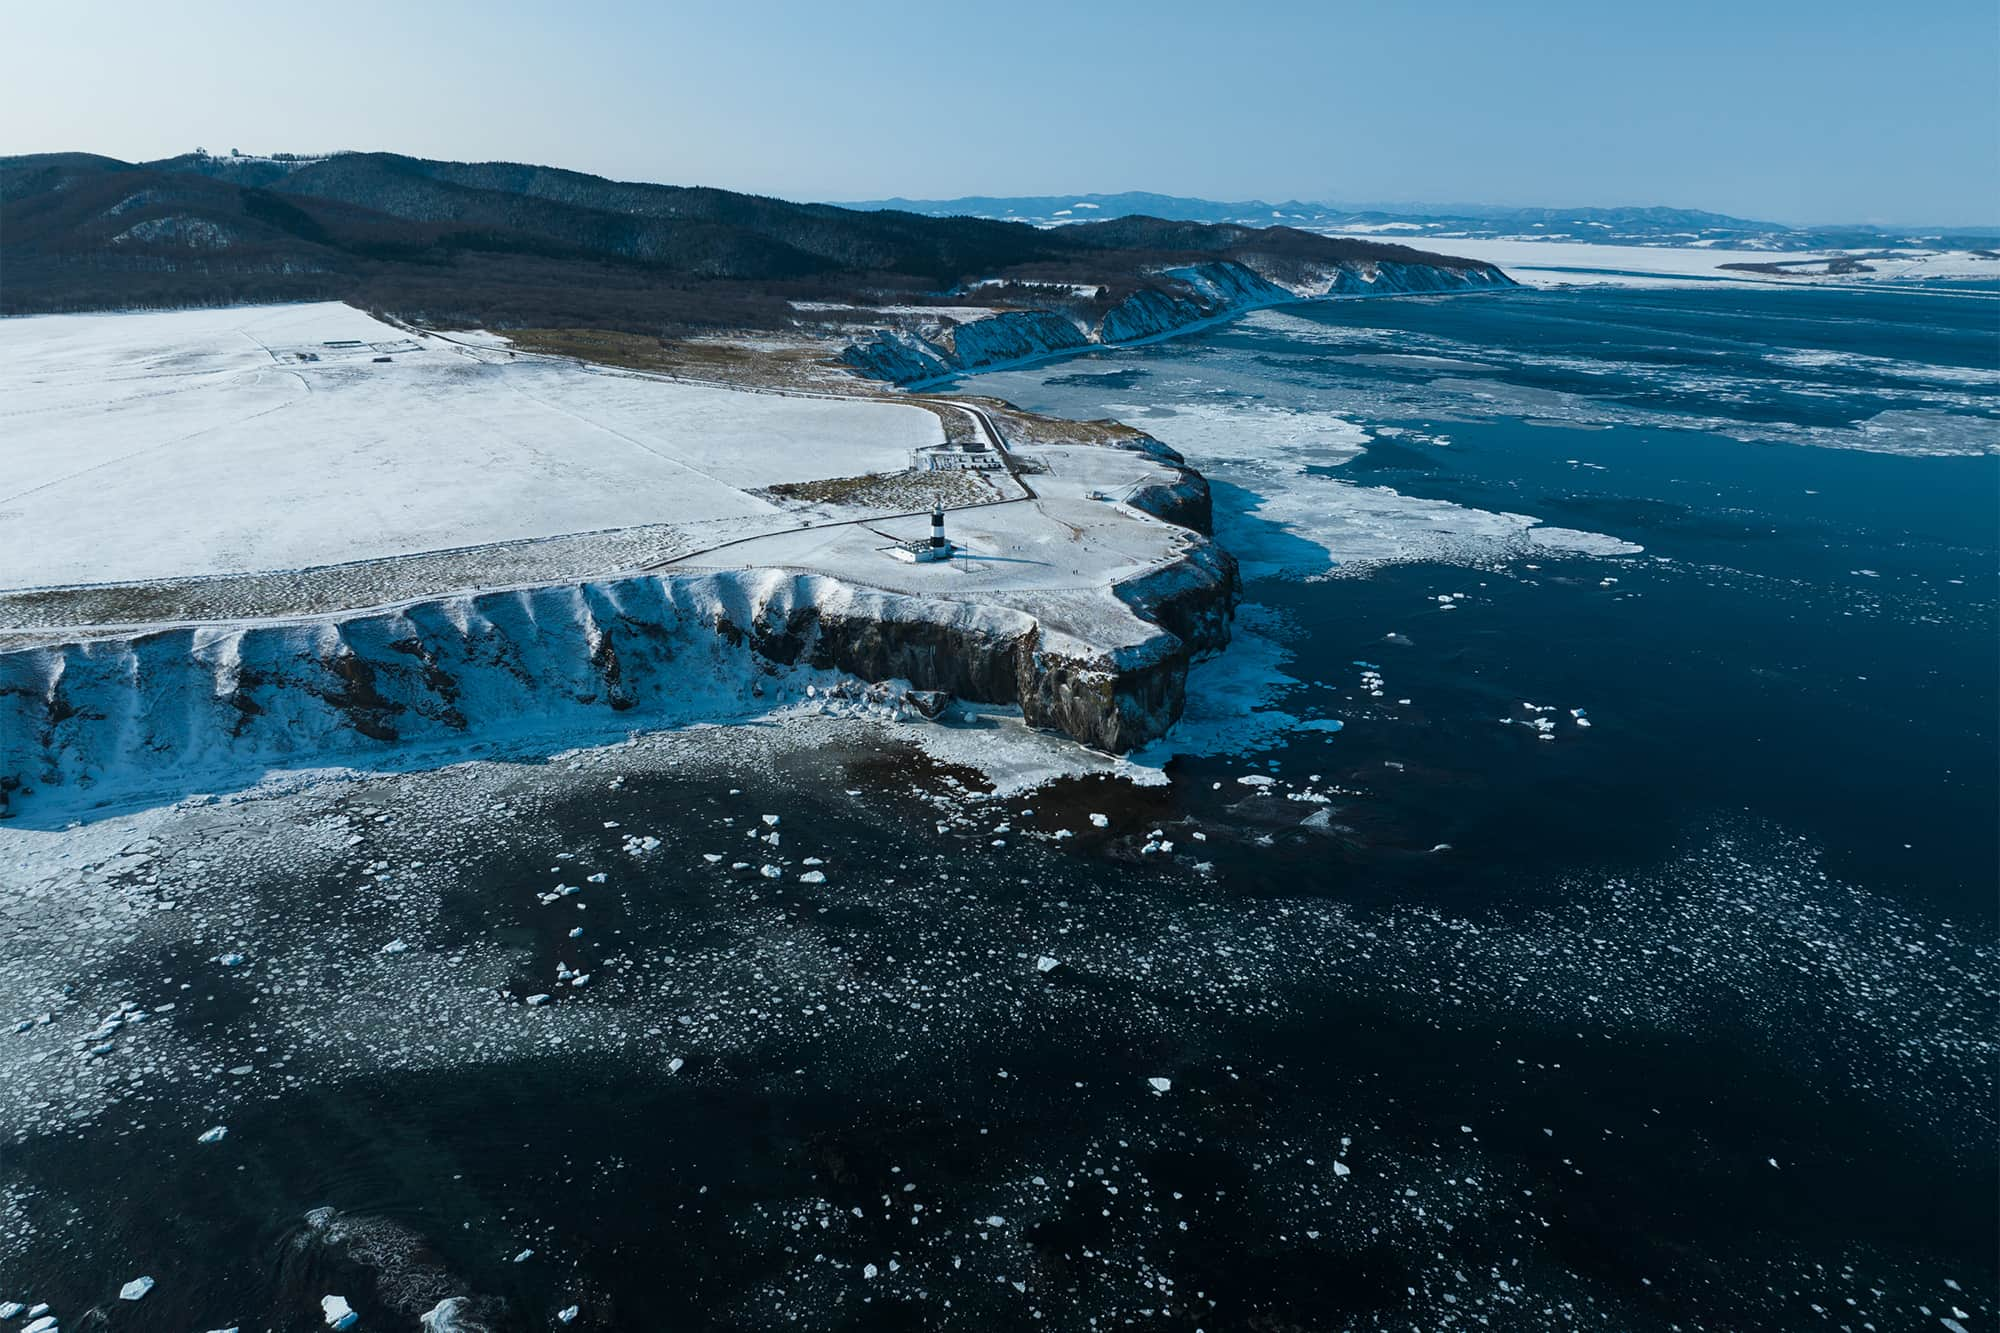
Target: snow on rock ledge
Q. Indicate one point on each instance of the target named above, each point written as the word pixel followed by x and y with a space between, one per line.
pixel 113 719
pixel 1191 295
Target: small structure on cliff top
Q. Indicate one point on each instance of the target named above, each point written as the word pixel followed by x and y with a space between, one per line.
pixel 924 550
pixel 964 456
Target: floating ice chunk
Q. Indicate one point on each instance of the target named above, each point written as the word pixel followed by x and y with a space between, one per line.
pixel 1101 821
pixel 524 1256
pixel 568 1314
pixel 215 1135
pixel 46 1324
pixel 711 857
pixel 1341 1169
pixel 995 1221
pixel 770 872
pixel 870 1271
pixel 1256 780
pixel 771 821
pixel 580 979
pixel 598 878
pixel 1047 964
pixel 230 959
pixel 813 877
pixel 1159 1085
pixel 536 1000
pixel 450 1315
pixel 136 1289
pixel 575 931
pixel 339 1314
pixel 674 1065
pixel 395 946
pixel 9 1309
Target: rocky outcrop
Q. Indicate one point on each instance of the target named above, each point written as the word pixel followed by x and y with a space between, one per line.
pixel 1011 336
pixel 105 718
pixel 1193 599
pixel 1184 500
pixel 1178 299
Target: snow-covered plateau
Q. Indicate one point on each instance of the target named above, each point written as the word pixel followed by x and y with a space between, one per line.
pixel 925 350
pixel 150 448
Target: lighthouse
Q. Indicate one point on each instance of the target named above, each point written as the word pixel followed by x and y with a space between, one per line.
pixel 923 551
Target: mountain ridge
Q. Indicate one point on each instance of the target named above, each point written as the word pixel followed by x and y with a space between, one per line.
pixel 1634 224
pixel 517 244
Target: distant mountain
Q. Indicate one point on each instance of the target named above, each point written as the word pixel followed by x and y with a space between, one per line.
pixel 1622 226
pixel 513 244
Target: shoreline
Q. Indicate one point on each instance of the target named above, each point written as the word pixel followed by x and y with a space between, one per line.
pixel 1168 335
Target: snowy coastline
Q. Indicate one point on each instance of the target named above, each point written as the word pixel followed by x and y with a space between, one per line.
pixel 923 354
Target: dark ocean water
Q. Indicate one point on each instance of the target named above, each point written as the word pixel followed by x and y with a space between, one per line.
pixel 1684 1019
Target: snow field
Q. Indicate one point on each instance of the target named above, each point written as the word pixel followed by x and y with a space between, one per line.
pixel 141 446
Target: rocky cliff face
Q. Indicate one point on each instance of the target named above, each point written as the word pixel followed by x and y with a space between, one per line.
pixel 167 712
pixel 1184 500
pixel 1183 297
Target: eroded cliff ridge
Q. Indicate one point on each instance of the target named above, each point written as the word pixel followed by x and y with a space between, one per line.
pixel 921 350
pixel 110 717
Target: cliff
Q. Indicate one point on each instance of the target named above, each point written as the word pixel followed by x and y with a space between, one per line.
pixel 1178 299
pixel 167 712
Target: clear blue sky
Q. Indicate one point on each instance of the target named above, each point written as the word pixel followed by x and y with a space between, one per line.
pixel 1804 112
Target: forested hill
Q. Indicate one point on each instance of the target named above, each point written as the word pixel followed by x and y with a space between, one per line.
pixel 509 244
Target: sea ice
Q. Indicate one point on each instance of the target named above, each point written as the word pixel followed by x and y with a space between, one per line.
pixel 136 1289
pixel 339 1314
